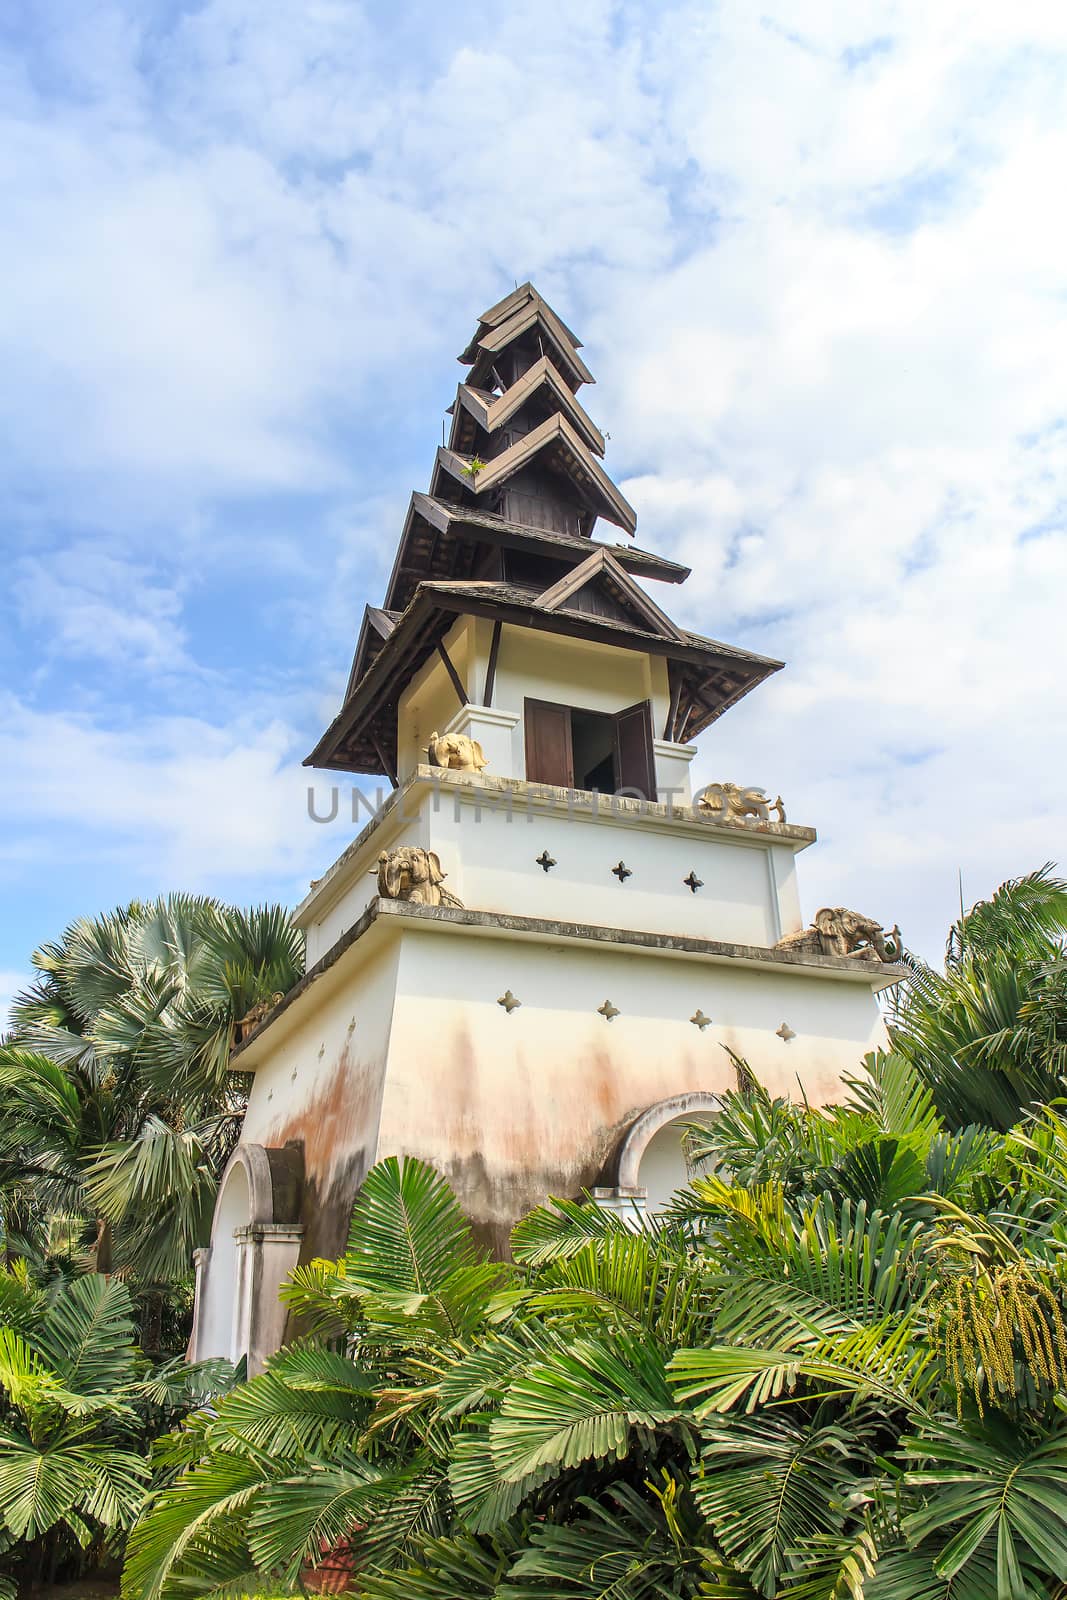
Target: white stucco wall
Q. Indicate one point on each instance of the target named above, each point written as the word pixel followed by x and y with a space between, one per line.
pixel 320 1082
pixel 513 1107
pixel 575 672
pixel 488 841
pixel 221 1332
pixel 429 702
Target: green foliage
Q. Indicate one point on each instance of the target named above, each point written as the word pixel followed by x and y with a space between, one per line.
pixel 117 1106
pixel 833 1371
pixel 989 1035
pixel 77 1405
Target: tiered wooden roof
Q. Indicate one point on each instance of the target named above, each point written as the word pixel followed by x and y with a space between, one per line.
pixel 506 532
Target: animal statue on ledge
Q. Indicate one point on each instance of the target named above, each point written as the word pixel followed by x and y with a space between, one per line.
pixel 457 751
pixel 837 931
pixel 411 873
pixel 727 802
pixel 258 1013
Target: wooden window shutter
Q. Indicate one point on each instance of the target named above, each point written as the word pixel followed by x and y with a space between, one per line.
pixel 549 757
pixel 634 758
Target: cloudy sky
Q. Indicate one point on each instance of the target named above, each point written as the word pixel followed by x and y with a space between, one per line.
pixel 816 252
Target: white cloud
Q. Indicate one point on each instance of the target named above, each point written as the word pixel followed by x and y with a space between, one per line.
pixel 177 801
pixel 89 604
pixel 817 262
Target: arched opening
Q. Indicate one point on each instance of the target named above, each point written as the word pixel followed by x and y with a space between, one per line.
pixel 220 1333
pixel 255 1244
pixel 663 1167
pixel 652 1162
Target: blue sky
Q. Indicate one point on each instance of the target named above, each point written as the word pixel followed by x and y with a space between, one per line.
pixel 816 254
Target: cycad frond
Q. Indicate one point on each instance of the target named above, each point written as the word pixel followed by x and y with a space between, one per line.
pixel 408 1232
pixel 767 1485
pixel 583 1402
pixel 564 1228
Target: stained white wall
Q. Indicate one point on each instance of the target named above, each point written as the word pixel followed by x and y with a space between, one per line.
pixel 488 841
pixel 514 1107
pixel 402 1047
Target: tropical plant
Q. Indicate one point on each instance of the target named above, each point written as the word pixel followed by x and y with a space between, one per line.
pixel 117 1104
pixel 78 1407
pixel 989 1034
pixel 840 1377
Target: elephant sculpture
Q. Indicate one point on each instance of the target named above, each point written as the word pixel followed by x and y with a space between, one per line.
pixel 837 931
pixel 457 751
pixel 728 802
pixel 411 873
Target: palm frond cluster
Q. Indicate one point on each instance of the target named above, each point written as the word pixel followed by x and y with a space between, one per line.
pixel 79 1406
pixel 834 1370
pixel 117 1105
pixel 989 1034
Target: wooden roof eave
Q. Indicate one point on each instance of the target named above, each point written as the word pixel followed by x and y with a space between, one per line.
pixel 601 563
pixel 430 615
pixel 510 303
pixel 631 557
pixel 495 414
pixel 374 629
pixel 529 316
pixel 468 522
pixel 544 374
pixel 505 310
pixel 607 501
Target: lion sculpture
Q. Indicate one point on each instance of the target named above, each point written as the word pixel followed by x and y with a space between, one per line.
pixel 457 751
pixel 411 873
pixel 728 802
pixel 837 931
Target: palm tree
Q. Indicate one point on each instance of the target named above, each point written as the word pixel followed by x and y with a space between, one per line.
pixel 78 1408
pixel 838 1377
pixel 116 1099
pixel 989 1035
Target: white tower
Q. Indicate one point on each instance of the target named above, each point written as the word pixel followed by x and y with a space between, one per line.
pixel 525 971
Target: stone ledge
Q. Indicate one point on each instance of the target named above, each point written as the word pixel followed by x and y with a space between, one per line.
pixel 605 808
pixel 469 787
pixel 876 975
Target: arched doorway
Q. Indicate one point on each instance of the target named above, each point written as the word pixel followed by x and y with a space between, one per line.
pixel 651 1163
pixel 255 1244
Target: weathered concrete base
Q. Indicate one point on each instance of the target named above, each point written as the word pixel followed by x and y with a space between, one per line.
pixel 396 1043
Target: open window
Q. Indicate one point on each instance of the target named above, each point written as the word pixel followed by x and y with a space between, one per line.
pixel 572 748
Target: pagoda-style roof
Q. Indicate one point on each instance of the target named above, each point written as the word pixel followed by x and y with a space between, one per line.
pixel 556 445
pixel 442 541
pixel 506 533
pixel 527 314
pixel 477 408
pixel 506 308
pixel 707 676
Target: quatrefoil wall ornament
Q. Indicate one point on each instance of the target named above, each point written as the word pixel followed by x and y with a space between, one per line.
pixel 608 1011
pixel 699 1020
pixel 509 1002
pixel 622 872
pixel 545 861
pixel 785 1033
pixel 693 883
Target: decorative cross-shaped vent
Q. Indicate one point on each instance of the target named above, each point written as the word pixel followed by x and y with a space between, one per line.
pixel 785 1033
pixel 622 872
pixel 607 1011
pixel 693 883
pixel 699 1020
pixel 545 861
pixel 508 1001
